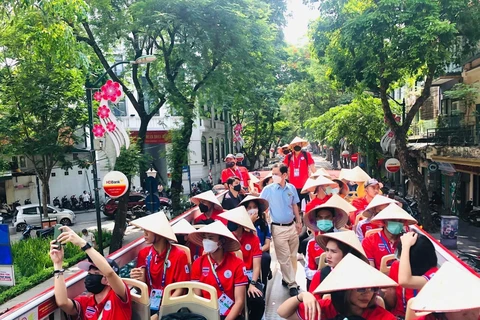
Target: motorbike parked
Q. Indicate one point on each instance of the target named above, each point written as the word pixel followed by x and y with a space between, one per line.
pixel 7 213
pixel 472 260
pixel 75 203
pixel 66 203
pixel 27 201
pixel 137 212
pixel 41 233
pixel 470 214
pixel 56 202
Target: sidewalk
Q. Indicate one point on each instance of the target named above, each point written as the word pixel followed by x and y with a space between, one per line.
pixel 131 235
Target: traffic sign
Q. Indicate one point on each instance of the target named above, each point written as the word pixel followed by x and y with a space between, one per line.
pixel 115 184
pixel 433 167
pixel 392 165
pixel 354 157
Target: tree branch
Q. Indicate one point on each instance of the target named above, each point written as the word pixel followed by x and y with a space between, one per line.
pixel 207 75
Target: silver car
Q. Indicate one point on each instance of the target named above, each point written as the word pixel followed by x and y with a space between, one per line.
pixel 32 214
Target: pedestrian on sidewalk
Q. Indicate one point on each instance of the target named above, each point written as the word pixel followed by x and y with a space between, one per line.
pixel 85 200
pixel 89 238
pixel 110 296
pixel 286 223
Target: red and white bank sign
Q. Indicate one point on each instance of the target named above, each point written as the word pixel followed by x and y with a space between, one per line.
pixel 392 165
pixel 115 184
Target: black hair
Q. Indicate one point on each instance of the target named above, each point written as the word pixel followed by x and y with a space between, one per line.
pixel 265 181
pixel 282 167
pixel 261 222
pixel 232 179
pixel 422 255
pixel 84 230
pixel 329 209
pixel 346 249
pixel 341 303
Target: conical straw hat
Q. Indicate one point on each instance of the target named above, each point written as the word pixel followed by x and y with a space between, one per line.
pixel 207 196
pixel 348 237
pixel 356 175
pixel 231 243
pixel 451 289
pixel 300 141
pixel 311 184
pixel 353 273
pixel 320 172
pixel 156 223
pixel 269 175
pixel 394 212
pixel 182 226
pixel 341 207
pixel 253 178
pixel 379 200
pixel 260 201
pixel 240 216
pixel 285 146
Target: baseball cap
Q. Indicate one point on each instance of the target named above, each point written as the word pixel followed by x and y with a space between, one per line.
pixel 239 156
pixel 229 156
pixel 371 182
pixel 86 265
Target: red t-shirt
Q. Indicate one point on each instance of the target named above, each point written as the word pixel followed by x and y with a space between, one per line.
pixel 240 172
pixel 298 163
pixel 177 266
pixel 251 249
pixel 403 295
pixel 195 251
pixel 377 246
pixel 230 272
pixel 313 251
pixel 360 204
pixel 329 312
pixel 215 217
pixel 316 202
pixel 112 306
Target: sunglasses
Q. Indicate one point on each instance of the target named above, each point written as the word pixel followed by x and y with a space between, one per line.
pixel 364 290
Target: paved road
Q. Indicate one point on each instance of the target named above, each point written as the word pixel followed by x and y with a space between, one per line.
pixel 85 219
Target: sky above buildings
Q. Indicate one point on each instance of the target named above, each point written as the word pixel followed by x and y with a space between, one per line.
pixel 299 16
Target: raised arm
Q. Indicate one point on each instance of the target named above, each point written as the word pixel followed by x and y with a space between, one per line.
pixel 405 277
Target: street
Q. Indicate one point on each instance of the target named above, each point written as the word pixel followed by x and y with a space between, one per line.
pixel 85 220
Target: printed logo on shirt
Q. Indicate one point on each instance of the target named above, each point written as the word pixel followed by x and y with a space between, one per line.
pixel 205 271
pixel 381 247
pixel 108 306
pixel 227 274
pixel 302 158
pixel 248 246
pixel 317 247
pixel 187 269
pixel 168 263
pixel 245 270
pixel 90 312
pixel 368 228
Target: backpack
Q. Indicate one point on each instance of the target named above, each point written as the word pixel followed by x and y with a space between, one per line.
pixel 325 272
pixel 183 314
pixel 290 155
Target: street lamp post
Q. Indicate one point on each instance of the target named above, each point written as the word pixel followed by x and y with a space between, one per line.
pixel 88 89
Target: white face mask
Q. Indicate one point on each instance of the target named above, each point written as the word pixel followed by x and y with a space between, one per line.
pixel 276 179
pixel 252 212
pixel 209 246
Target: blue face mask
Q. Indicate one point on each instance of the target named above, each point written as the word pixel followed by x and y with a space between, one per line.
pixel 394 227
pixel 324 225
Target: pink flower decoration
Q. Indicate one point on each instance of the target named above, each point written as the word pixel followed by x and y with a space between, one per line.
pixel 103 112
pixel 97 96
pixel 98 130
pixel 111 91
pixel 111 127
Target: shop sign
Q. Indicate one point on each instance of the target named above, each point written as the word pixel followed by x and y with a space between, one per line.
pixel 115 184
pixel 392 165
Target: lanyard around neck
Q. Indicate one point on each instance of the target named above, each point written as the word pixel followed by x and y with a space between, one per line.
pixel 215 275
pixel 386 243
pixel 165 265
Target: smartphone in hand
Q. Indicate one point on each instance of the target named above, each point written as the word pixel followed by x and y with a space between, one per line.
pixel 56 233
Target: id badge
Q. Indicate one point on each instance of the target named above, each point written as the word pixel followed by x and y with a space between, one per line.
pixel 155 299
pixel 224 302
pixel 296 172
pixel 249 274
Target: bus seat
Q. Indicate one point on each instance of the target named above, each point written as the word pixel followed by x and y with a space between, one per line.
pixel 239 254
pixel 196 304
pixel 186 250
pixel 385 266
pixel 380 302
pixel 357 219
pixel 327 296
pixel 372 231
pixel 141 301
pixel 321 261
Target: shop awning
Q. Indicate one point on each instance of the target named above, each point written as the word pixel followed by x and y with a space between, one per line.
pixel 455 160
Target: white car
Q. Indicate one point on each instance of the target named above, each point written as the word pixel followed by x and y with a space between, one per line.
pixel 32 213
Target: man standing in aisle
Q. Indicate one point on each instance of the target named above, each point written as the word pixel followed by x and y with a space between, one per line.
pixel 286 223
pixel 299 164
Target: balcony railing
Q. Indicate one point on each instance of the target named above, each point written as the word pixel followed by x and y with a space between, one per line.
pixel 462 136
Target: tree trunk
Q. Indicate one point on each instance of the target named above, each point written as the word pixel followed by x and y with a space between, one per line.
pixel 120 223
pixel 410 168
pixel 142 134
pixel 179 155
pixel 44 197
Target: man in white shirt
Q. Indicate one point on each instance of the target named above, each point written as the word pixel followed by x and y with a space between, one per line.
pixel 85 200
pixel 89 238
